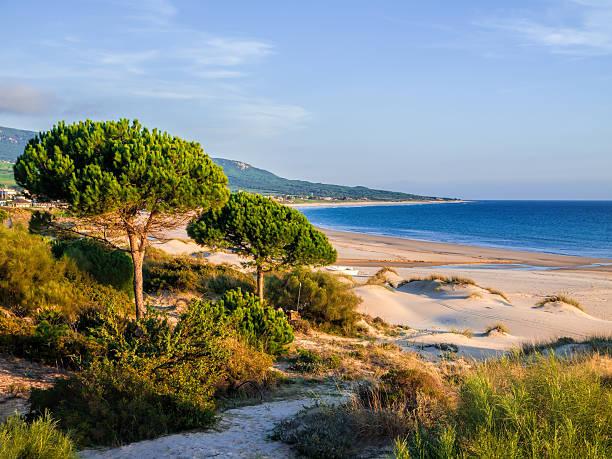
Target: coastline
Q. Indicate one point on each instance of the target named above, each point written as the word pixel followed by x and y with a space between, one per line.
pixel 355 249
pixel 368 203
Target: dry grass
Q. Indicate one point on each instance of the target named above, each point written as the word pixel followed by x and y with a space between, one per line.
pixel 560 298
pixel 380 278
pixel 498 327
pixel 449 280
pixel 468 333
pixel 494 291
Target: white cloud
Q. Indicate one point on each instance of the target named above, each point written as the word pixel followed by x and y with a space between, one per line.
pixel 585 28
pixel 23 99
pixel 267 119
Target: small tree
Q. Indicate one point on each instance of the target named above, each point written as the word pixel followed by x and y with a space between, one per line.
pixel 274 236
pixel 124 183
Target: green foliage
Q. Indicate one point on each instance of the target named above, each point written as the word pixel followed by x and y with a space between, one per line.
pixel 262 326
pixel 112 403
pixel 185 274
pixel 106 265
pixel 273 235
pixel 101 167
pixel 325 300
pixel 4 215
pixel 39 439
pixel 156 379
pixel 30 277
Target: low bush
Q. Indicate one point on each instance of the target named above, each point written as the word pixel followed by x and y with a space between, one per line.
pixel 262 326
pixel 307 361
pixel 31 278
pixel 373 417
pixel 112 403
pixel 184 274
pixel 324 300
pixel 39 439
pixel 106 265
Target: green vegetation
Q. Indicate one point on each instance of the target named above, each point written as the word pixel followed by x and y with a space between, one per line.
pixel 4 215
pixel 309 361
pixel 378 412
pixel 560 298
pixel 186 274
pixel 6 174
pixel 121 180
pixel 39 439
pixel 544 407
pixel 324 299
pixel 106 265
pixel 274 236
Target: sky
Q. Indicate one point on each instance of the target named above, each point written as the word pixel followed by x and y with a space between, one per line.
pixel 474 99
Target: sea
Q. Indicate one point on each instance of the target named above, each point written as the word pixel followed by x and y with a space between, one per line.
pixel 582 228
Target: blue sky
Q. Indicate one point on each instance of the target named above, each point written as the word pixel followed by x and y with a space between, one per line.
pixel 476 99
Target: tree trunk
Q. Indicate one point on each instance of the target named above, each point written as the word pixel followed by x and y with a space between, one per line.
pixel 260 284
pixel 137 250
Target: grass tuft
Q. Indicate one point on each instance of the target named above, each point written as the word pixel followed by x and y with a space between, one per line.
pixel 497 327
pixel 449 280
pixel 560 298
pixel 40 439
pixel 494 291
pixel 468 333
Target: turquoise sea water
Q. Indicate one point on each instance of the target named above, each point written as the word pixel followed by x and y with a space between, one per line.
pixel 562 227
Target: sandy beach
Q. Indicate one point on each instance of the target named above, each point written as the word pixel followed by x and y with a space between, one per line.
pixel 435 313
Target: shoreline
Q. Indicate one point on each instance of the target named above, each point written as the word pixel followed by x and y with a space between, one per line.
pixel 363 249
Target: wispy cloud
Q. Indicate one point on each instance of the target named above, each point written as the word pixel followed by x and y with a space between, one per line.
pixel 22 99
pixel 581 27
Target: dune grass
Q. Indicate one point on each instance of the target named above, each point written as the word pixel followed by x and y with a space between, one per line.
pixel 39 439
pixel 594 344
pixel 497 327
pixel 494 291
pixel 380 278
pixel 517 408
pixel 468 333
pixel 560 298
pixel 449 280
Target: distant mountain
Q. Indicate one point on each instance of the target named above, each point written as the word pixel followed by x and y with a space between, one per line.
pixel 12 142
pixel 242 176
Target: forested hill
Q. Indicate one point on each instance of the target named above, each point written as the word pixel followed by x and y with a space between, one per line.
pixel 241 176
pixel 12 142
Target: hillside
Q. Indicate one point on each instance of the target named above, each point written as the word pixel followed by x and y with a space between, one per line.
pixel 242 176
pixel 12 142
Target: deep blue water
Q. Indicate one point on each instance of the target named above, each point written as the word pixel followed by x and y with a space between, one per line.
pixel 562 227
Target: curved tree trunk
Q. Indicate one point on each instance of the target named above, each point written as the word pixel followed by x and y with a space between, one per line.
pixel 137 250
pixel 260 284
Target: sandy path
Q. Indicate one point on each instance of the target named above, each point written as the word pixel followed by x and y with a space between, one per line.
pixel 243 432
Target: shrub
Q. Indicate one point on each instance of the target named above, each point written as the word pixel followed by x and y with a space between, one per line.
pixel 113 403
pixel 157 379
pixel 4 215
pixel 308 361
pixel 183 274
pixel 30 277
pixel 39 439
pixel 261 325
pixel 324 300
pixel 106 265
pixel 375 415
